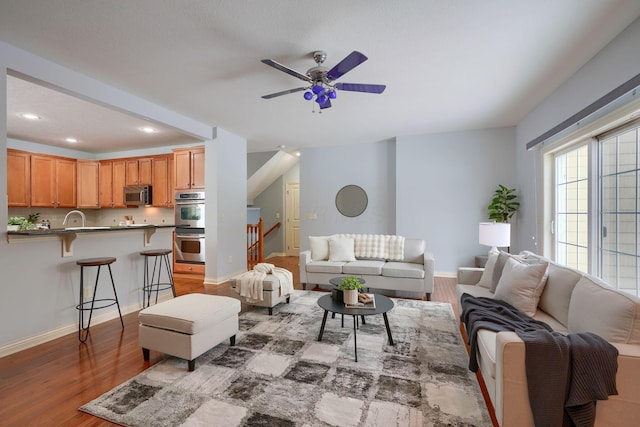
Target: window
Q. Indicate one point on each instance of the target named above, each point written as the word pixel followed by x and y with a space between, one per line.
pixel 619 214
pixel 572 209
pixel 600 186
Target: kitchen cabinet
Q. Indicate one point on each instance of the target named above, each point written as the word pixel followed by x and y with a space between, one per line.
pixel 112 181
pixel 53 181
pixel 189 168
pixel 162 181
pixel 138 171
pixel 18 178
pixel 88 184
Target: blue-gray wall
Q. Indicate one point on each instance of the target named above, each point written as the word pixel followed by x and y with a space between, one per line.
pixel 433 187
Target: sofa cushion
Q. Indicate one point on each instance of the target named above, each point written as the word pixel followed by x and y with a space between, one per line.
pixel 497 270
pixel 598 308
pixel 403 269
pixel 396 248
pixel 319 248
pixel 372 267
pixel 341 249
pixel 522 284
pixel 325 267
pixel 487 350
pixel 487 274
pixel 556 296
pixel 414 251
pixel 473 290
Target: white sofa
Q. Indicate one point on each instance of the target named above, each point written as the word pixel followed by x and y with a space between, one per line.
pixel 570 302
pixel 384 262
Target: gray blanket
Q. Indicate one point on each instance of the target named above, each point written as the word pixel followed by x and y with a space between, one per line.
pixel 566 375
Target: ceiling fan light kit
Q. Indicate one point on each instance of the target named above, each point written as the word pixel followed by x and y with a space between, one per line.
pixel 321 79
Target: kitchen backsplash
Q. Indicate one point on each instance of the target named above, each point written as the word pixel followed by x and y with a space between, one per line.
pixel 100 217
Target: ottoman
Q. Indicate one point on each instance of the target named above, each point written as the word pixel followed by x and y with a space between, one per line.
pixel 188 325
pixel 270 293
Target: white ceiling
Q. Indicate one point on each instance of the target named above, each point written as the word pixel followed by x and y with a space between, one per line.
pixel 448 65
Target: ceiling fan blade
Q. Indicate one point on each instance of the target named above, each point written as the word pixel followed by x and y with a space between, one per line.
pixel 284 92
pixel 360 87
pixel 350 62
pixel 325 105
pixel 279 66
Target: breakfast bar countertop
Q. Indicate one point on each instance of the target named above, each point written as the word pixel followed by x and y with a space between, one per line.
pixel 88 229
pixel 69 235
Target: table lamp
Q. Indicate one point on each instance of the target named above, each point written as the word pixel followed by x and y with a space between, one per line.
pixel 495 235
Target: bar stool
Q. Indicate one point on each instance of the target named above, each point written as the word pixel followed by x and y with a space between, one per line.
pixel 83 332
pixel 152 282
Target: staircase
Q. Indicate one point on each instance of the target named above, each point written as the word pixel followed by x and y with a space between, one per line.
pixel 255 242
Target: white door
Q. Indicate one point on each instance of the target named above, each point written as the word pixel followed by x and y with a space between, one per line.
pixel 292 230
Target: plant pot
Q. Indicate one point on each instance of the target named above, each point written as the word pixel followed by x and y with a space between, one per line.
pixel 13 227
pixel 350 297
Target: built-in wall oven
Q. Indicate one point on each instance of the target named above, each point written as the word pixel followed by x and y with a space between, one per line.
pixel 189 245
pixel 189 221
pixel 189 209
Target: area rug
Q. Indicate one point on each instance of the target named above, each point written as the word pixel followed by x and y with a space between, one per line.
pixel 278 374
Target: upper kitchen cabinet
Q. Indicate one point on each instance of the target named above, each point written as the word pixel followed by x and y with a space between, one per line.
pixel 138 171
pixel 53 181
pixel 189 168
pixel 18 178
pixel 112 182
pixel 88 184
pixel 162 181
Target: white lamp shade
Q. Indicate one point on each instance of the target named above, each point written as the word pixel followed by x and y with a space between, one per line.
pixel 495 234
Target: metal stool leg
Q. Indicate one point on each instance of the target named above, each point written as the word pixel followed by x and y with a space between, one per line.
pixel 170 273
pixel 115 294
pixel 81 327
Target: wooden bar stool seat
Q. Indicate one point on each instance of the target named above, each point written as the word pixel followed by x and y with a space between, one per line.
pixel 94 304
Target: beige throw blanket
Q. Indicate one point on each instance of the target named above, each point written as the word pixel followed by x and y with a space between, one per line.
pixel 251 281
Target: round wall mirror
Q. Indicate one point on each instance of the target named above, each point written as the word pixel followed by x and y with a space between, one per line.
pixel 351 200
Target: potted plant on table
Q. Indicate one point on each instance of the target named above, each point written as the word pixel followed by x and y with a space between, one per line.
pixel 349 287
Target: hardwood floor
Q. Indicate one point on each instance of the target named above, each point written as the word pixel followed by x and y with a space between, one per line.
pixel 46 384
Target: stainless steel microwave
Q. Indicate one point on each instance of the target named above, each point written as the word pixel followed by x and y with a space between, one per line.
pixel 137 195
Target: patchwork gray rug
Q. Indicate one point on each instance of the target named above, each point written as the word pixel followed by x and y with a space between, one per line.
pixel 278 374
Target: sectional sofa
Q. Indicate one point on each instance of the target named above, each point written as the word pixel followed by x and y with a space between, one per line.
pixel 383 261
pixel 570 302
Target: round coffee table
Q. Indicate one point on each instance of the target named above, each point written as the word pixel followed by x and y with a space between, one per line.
pixel 383 304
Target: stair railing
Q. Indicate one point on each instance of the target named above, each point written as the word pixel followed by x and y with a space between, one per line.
pixel 255 242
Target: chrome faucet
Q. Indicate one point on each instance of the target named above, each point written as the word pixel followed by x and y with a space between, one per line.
pixel 84 218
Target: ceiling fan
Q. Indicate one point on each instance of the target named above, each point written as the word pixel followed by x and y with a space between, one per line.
pixel 320 79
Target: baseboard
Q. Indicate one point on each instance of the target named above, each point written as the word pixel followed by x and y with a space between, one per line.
pixel 53 334
pixel 216 281
pixel 446 274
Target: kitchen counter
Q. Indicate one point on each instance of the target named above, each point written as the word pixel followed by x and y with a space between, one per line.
pixel 88 229
pixel 69 235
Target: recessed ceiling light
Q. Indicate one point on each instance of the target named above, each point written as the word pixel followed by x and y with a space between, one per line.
pixel 148 129
pixel 298 153
pixel 282 146
pixel 30 116
pixel 71 140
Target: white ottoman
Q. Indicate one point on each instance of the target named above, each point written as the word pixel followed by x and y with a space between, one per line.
pixel 188 325
pixel 270 293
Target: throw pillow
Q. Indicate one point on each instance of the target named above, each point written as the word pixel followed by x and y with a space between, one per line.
pixel 487 274
pixel 497 270
pixel 319 248
pixel 521 284
pixel 341 249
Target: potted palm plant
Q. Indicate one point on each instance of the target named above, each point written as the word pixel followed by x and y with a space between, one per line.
pixel 349 287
